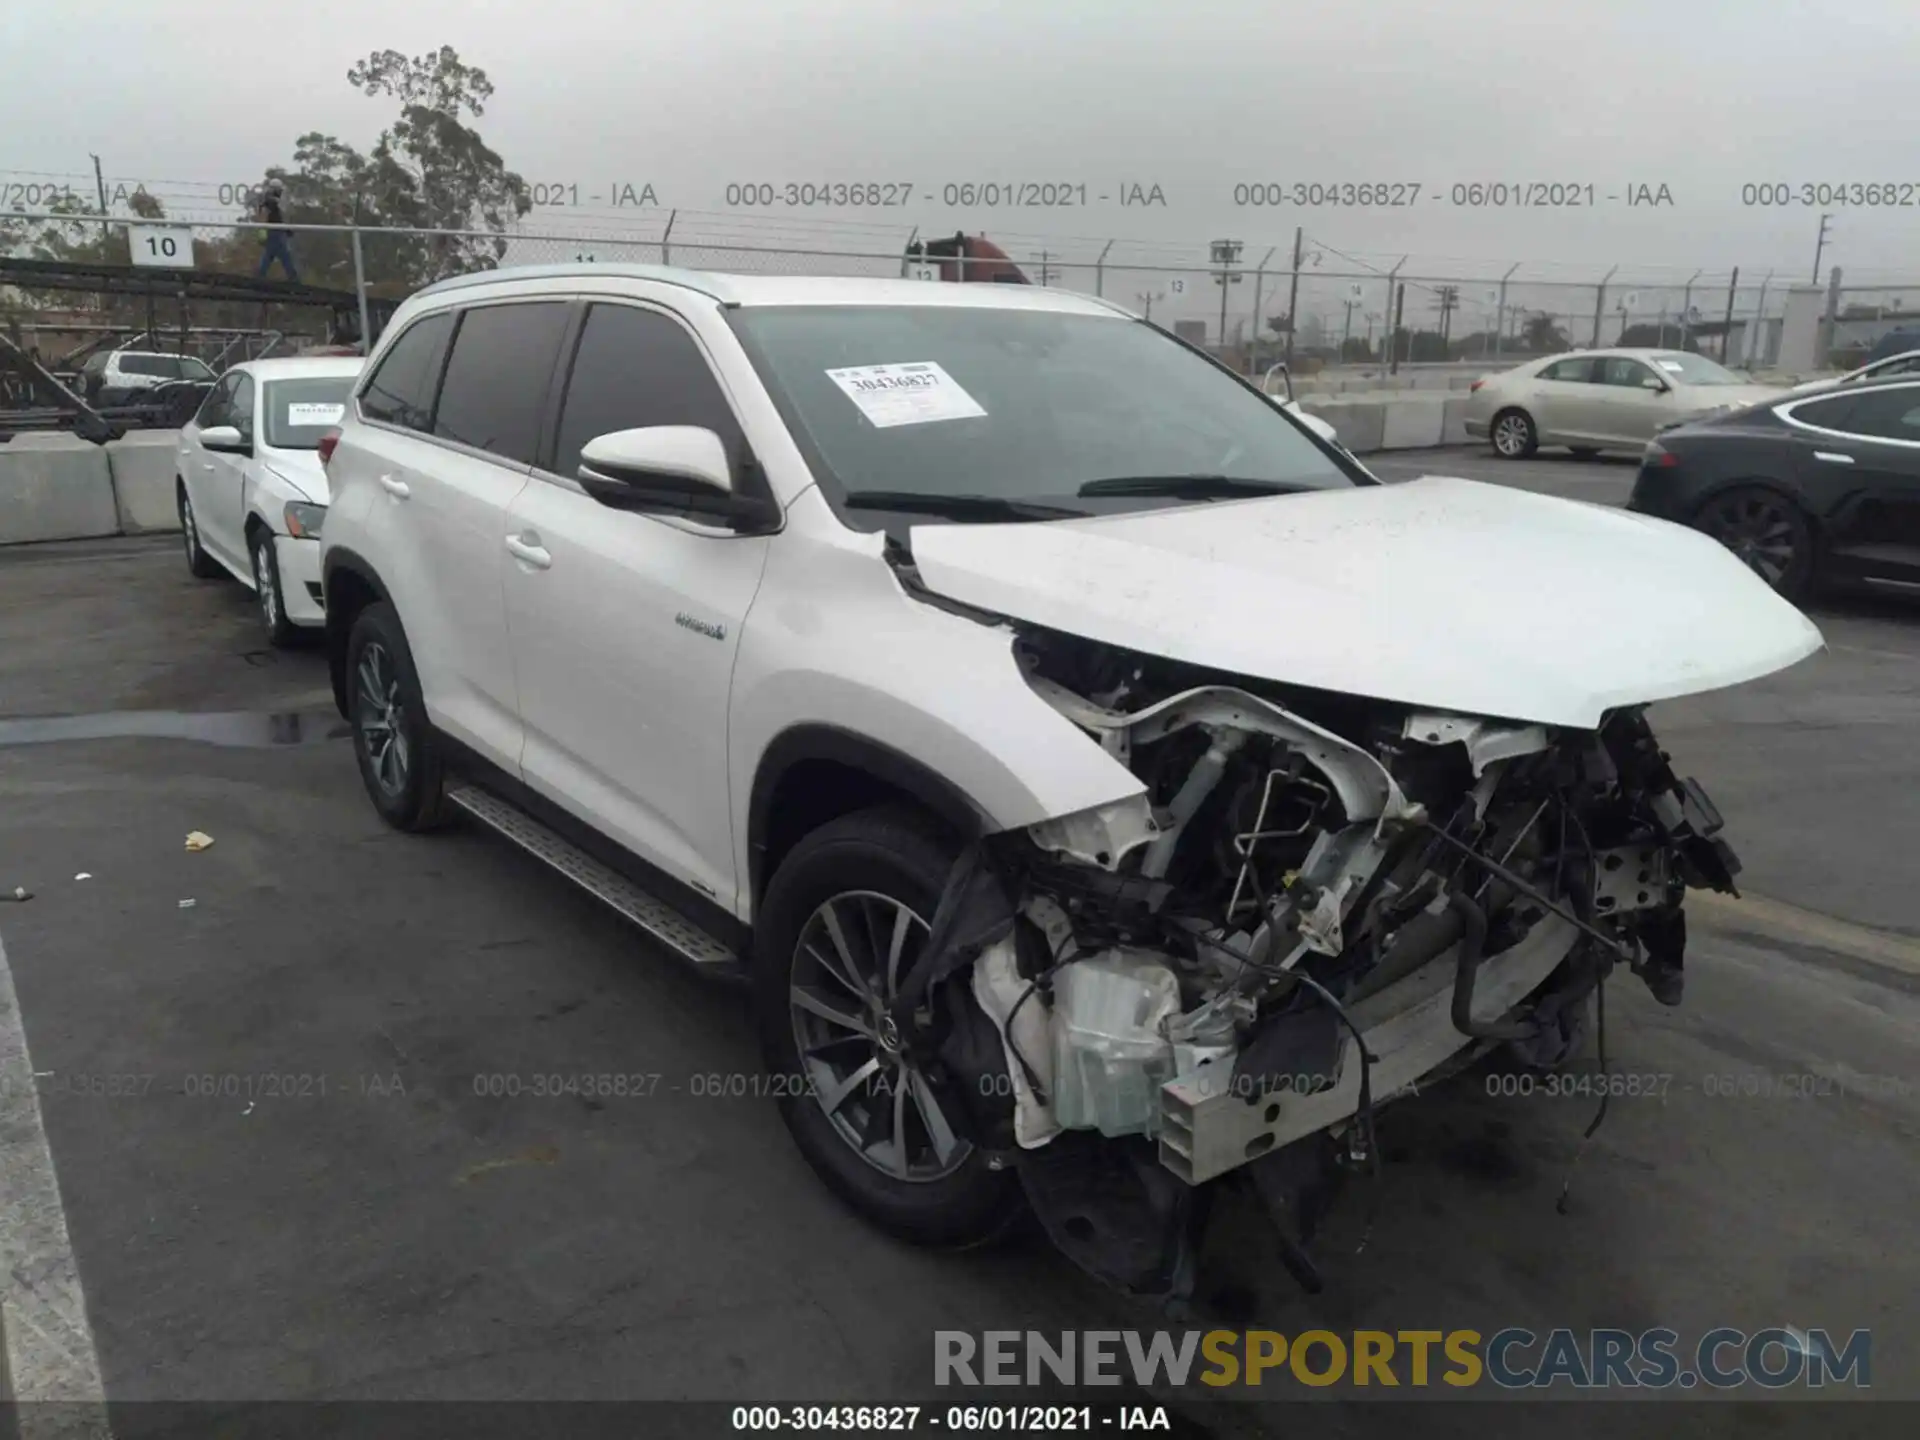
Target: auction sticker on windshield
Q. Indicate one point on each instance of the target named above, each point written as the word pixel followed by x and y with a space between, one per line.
pixel 905 394
pixel 312 413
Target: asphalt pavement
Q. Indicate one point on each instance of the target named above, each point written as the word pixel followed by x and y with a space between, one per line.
pixel 285 1174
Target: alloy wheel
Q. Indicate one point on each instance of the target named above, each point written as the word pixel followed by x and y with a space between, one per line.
pixel 189 532
pixel 1759 529
pixel 381 718
pixel 847 966
pixel 263 581
pixel 1510 435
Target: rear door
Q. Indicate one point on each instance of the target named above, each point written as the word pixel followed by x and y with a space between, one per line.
pixel 202 470
pixel 1868 446
pixel 625 625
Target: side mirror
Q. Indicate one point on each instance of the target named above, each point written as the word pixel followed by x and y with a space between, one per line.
pixel 678 468
pixel 1655 383
pixel 226 439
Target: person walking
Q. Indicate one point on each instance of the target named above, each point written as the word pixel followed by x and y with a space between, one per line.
pixel 278 244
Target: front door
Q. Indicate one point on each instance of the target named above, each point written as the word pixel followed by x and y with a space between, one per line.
pixel 624 625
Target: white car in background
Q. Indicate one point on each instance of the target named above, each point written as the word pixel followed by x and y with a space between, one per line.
pixel 1594 400
pixel 119 377
pixel 1905 363
pixel 251 490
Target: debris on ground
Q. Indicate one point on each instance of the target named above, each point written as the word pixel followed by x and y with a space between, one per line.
pixel 19 892
pixel 188 904
pixel 84 875
pixel 198 840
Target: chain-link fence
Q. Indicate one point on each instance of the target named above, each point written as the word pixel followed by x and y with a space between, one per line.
pixel 1317 307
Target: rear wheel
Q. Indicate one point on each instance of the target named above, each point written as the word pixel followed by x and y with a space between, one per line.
pixel 842 923
pixel 199 564
pixel 399 755
pixel 1513 435
pixel 1766 530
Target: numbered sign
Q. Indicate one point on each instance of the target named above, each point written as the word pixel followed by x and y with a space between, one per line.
pixel 923 272
pixel 1177 286
pixel 161 247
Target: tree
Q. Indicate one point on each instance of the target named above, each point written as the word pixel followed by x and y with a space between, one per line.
pixel 1543 335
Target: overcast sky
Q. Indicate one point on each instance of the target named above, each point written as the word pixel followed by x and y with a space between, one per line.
pixel 1194 96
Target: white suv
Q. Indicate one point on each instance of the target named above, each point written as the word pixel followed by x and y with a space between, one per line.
pixel 1075 753
pixel 119 376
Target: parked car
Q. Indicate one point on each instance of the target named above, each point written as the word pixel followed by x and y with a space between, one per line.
pixel 1894 342
pixel 120 377
pixel 1064 745
pixel 1824 488
pixel 251 490
pixel 1594 400
pixel 1907 362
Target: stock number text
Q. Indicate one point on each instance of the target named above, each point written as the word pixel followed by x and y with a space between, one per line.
pixel 1866 194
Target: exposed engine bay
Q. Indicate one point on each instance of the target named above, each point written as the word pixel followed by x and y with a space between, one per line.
pixel 1317 903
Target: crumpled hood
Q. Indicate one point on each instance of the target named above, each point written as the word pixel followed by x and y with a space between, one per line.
pixel 302 470
pixel 1443 593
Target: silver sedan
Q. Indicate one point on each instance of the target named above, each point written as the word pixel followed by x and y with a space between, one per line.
pixel 1594 400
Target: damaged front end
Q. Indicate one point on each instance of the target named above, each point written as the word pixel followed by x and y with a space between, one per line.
pixel 1316 904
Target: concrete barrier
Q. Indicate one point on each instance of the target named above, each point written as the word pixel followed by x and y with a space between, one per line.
pixel 143 469
pixel 1453 428
pixel 1359 424
pixel 54 487
pixel 1412 424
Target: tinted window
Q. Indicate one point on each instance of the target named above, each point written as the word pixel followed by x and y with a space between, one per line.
pixel 401 390
pixel 1824 414
pixel 1580 371
pixel 218 405
pixel 635 368
pixel 1887 414
pixel 1619 370
pixel 164 367
pixel 497 378
pixel 243 395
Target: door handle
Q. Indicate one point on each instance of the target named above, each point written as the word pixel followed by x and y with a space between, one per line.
pixel 527 548
pixel 1833 457
pixel 395 486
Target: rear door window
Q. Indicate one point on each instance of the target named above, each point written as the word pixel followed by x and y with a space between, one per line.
pixel 1577 371
pixel 498 376
pixel 1887 415
pixel 401 390
pixel 1829 414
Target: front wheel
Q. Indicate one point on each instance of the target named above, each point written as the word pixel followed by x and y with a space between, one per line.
pixel 200 565
pixel 1514 437
pixel 399 755
pixel 266 588
pixel 841 926
pixel 1767 531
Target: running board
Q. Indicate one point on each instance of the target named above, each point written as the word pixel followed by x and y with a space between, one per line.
pixel 673 929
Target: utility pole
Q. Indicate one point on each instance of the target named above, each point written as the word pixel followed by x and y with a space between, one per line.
pixel 1293 289
pixel 1226 254
pixel 100 182
pixel 1393 329
pixel 1446 301
pixel 1046 271
pixel 1818 246
pixel 1726 333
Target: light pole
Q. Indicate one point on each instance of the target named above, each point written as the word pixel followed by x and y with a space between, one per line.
pixel 1225 255
pixel 1146 299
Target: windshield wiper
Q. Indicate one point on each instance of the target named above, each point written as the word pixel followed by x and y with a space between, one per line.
pixel 986 508
pixel 1187 487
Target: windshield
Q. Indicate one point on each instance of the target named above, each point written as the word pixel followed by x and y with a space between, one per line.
pixel 1695 369
pixel 300 411
pixel 1027 405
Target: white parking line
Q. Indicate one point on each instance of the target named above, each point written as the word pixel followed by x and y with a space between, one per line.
pixel 51 1362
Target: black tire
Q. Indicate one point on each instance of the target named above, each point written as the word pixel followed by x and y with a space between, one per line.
pixel 200 565
pixel 1583 452
pixel 864 863
pixel 1767 530
pixel 267 593
pixel 384 703
pixel 1513 435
